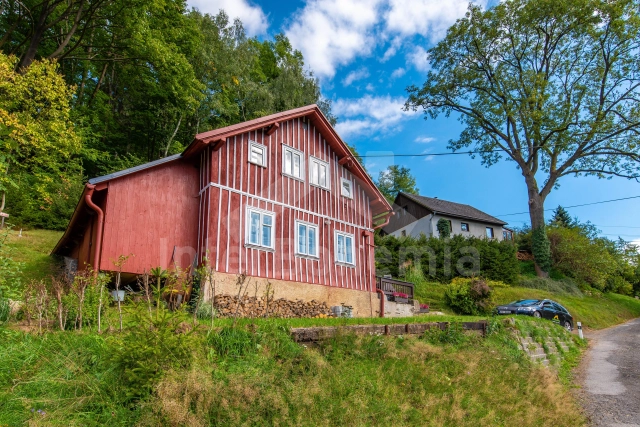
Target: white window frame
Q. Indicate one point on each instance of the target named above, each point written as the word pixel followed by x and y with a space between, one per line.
pixel 312 160
pixel 293 151
pixel 265 154
pixel 353 248
pixel 342 181
pixel 247 238
pixel 297 239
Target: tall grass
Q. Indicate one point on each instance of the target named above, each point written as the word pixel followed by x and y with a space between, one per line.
pixel 255 374
pixel 368 380
pixel 563 286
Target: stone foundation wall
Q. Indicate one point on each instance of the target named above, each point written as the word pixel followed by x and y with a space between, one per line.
pixel 363 303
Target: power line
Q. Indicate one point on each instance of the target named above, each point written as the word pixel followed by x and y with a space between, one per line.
pixel 576 206
pixel 432 154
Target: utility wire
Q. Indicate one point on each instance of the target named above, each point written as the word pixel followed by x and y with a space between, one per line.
pixel 576 206
pixel 432 154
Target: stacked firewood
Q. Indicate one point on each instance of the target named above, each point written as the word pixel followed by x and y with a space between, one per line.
pixel 524 256
pixel 252 307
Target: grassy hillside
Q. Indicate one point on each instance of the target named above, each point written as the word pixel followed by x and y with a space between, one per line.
pixel 239 377
pixel 594 312
pixel 33 249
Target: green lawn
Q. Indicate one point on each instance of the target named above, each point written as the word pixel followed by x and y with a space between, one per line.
pixel 33 249
pixel 594 312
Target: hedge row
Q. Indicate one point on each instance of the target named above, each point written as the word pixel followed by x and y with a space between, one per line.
pixel 444 259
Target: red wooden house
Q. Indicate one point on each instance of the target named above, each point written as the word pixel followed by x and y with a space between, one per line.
pixel 280 198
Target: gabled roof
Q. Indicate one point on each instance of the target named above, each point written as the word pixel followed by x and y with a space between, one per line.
pixel 318 119
pixel 445 207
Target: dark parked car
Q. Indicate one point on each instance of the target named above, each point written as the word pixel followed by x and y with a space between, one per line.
pixel 545 308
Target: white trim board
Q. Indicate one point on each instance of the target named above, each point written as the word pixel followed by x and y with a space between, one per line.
pixel 285 205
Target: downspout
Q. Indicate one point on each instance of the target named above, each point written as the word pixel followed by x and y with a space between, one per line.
pixel 98 242
pixel 389 214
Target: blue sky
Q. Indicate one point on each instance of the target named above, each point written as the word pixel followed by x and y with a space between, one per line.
pixel 365 53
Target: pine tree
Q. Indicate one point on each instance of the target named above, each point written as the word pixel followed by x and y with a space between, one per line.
pixel 561 218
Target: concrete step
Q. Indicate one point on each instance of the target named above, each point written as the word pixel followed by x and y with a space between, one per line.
pixel 538 356
pixel 536 351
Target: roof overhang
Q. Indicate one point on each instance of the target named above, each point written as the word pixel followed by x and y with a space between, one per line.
pixel 73 223
pixel 494 221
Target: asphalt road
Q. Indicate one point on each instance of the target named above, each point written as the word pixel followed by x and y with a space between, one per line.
pixel 611 376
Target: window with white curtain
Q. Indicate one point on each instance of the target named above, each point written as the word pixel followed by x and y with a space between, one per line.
pixel 319 172
pixel 293 163
pixel 306 239
pixel 344 249
pixel 260 228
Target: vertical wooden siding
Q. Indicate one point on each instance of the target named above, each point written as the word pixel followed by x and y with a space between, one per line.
pixel 230 183
pixel 148 214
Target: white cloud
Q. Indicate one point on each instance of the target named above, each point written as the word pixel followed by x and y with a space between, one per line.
pixel 424 139
pixel 330 33
pixel 369 114
pixel 429 18
pixel 251 15
pixel 355 75
pixel 398 72
pixel 427 158
pixel 370 87
pixel 391 50
pixel 334 33
pixel 419 58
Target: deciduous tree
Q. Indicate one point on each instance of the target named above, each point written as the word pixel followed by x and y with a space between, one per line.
pixel 394 180
pixel 552 85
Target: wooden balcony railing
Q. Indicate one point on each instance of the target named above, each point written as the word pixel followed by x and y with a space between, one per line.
pixel 389 286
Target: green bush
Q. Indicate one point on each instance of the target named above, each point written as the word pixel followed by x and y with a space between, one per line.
pixel 70 304
pixel 444 228
pixel 468 296
pixel 205 311
pixel 10 270
pixel 577 255
pixel 443 259
pixel 540 248
pixel 148 348
pixel 5 308
pixel 619 285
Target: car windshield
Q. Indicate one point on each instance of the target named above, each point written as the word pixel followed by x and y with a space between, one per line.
pixel 524 302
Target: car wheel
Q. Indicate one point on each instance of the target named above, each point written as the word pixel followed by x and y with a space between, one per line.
pixel 567 325
pixel 537 314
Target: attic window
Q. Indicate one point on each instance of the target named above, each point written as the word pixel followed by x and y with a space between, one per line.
pixel 258 154
pixel 464 226
pixel 346 189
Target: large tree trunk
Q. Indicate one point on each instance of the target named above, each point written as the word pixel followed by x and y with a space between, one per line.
pixel 36 38
pixel 536 215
